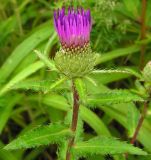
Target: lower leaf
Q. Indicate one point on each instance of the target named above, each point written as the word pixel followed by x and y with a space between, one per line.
pixel 43 135
pixel 104 145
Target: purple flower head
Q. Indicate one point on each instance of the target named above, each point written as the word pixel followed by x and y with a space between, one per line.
pixel 74 27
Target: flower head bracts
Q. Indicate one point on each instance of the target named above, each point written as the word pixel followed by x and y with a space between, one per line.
pixel 75 57
pixel 74 27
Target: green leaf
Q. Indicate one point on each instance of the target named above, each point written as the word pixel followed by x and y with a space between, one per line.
pixel 113 71
pixel 134 72
pixel 91 80
pixel 48 62
pixel 44 86
pixel 110 71
pixel 94 121
pixel 43 135
pixel 104 145
pixel 59 102
pixel 119 113
pixel 113 97
pixel 6 110
pixel 106 78
pixel 132 119
pixel 3 101
pixel 9 25
pixel 117 53
pixel 81 88
pixel 52 40
pixel 22 50
pixel 132 7
pixel 6 155
pixel 62 150
pixel 22 75
pixel 56 101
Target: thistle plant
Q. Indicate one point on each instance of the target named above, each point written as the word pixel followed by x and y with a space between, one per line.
pixel 75 57
pixel 74 63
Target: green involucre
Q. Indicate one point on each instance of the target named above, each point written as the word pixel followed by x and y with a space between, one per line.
pixel 76 62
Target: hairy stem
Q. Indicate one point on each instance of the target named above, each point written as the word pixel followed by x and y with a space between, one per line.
pixel 74 119
pixel 143 32
pixel 139 125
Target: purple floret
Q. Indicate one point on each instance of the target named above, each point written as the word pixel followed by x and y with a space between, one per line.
pixel 74 27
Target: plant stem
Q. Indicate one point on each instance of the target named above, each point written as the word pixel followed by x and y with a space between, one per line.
pixel 139 125
pixel 74 119
pixel 140 122
pixel 143 32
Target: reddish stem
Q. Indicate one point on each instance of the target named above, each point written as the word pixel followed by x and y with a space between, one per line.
pixel 74 119
pixel 139 125
pixel 140 122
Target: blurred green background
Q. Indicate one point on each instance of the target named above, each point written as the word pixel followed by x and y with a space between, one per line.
pixel 25 97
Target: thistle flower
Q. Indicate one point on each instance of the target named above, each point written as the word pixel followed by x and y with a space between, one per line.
pixel 75 57
pixel 74 28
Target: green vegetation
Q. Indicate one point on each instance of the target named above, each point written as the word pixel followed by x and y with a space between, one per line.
pixel 36 101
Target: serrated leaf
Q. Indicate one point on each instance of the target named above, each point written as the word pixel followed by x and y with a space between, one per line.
pixel 59 102
pixel 44 86
pixel 110 71
pixel 113 97
pixel 134 72
pixel 21 76
pixel 33 85
pixel 62 150
pixel 48 62
pixel 123 71
pixel 104 145
pixel 43 135
pixel 91 80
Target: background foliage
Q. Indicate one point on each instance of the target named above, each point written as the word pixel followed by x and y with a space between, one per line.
pixel 32 93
